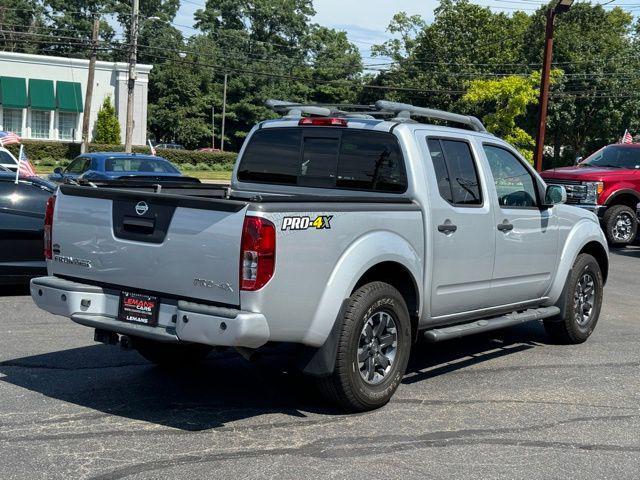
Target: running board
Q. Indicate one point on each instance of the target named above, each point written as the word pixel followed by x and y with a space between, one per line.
pixel 486 325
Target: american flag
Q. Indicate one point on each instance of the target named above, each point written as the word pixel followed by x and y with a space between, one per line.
pixel 153 150
pixel 627 138
pixel 8 138
pixel 24 166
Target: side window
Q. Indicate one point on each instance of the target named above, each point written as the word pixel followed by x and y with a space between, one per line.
pixel 456 171
pixel 86 164
pixel 76 166
pixel 6 159
pixel 440 166
pixel 514 183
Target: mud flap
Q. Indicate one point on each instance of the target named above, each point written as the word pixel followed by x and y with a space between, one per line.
pixel 320 362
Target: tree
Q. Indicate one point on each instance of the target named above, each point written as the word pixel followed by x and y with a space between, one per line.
pixel 336 65
pixel 509 98
pixel 597 97
pixel 107 127
pixel 69 24
pixel 432 63
pixel 19 21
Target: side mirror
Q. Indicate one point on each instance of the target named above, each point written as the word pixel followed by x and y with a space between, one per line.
pixel 57 171
pixel 578 160
pixel 554 195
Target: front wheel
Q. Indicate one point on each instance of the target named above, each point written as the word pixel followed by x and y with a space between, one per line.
pixel 582 303
pixel 373 349
pixel 620 225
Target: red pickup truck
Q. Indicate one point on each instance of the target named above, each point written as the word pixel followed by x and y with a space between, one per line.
pixel 607 183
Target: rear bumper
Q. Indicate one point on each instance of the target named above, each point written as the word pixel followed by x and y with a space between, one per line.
pixel 178 321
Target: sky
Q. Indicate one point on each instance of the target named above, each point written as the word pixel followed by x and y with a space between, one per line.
pixel 365 21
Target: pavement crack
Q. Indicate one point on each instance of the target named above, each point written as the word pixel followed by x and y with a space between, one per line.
pixel 357 447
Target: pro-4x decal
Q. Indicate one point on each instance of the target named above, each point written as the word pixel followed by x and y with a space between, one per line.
pixel 304 223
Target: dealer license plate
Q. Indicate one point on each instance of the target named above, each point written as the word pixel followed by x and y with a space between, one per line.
pixel 138 308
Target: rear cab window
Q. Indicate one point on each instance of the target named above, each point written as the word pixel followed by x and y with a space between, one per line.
pixel 320 157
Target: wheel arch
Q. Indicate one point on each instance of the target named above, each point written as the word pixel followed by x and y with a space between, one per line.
pixel 369 257
pixel 597 251
pixel 399 277
pixel 626 196
pixel 586 236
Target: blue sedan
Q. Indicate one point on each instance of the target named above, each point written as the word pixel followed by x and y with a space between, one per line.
pixel 111 166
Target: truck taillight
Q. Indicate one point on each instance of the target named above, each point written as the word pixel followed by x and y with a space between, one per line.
pixel 48 225
pixel 257 253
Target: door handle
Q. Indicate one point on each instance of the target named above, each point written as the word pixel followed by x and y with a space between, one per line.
pixel 505 226
pixel 447 227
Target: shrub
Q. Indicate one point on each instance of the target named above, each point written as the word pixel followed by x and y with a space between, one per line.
pixel 107 127
pixel 202 166
pixel 38 150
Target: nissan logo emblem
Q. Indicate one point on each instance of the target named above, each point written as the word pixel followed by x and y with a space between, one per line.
pixel 142 208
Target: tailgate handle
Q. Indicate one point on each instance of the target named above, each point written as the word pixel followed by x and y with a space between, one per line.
pixel 139 225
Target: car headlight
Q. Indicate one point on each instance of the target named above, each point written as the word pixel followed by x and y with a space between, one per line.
pixel 594 189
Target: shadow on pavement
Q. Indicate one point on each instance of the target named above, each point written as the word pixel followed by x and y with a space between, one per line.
pixel 14 290
pixel 223 389
pixel 430 360
pixel 630 251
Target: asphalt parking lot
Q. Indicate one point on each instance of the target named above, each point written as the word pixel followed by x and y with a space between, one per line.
pixel 506 405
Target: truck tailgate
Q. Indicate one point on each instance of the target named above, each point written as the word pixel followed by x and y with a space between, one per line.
pixel 184 246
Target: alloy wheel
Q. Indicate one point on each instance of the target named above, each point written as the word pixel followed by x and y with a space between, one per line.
pixel 622 228
pixel 377 347
pixel 584 298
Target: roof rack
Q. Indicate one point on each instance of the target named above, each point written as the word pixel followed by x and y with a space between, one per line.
pixel 404 111
pixel 401 112
pixel 297 110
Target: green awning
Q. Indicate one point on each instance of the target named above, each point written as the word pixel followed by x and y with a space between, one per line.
pixel 13 92
pixel 69 96
pixel 41 95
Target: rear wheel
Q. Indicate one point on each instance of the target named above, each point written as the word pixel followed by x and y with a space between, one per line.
pixel 582 302
pixel 620 225
pixel 171 355
pixel 373 349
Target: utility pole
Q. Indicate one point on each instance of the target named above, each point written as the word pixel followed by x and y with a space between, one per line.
pixel 224 112
pixel 213 127
pixel 560 7
pixel 133 57
pixel 86 116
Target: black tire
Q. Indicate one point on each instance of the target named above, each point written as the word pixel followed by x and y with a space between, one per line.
pixel 620 225
pixel 171 355
pixel 569 327
pixel 346 386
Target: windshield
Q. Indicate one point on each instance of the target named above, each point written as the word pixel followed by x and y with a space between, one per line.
pixel 614 157
pixel 142 165
pixel 6 158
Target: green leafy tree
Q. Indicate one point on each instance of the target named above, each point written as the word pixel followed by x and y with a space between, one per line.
pixel 508 99
pixel 107 127
pixel 18 20
pixel 597 97
pixel 432 63
pixel 69 24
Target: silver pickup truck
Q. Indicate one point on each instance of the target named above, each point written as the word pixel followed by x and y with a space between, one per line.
pixel 347 236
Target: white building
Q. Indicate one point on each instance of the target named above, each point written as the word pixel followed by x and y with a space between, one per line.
pixel 42 97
